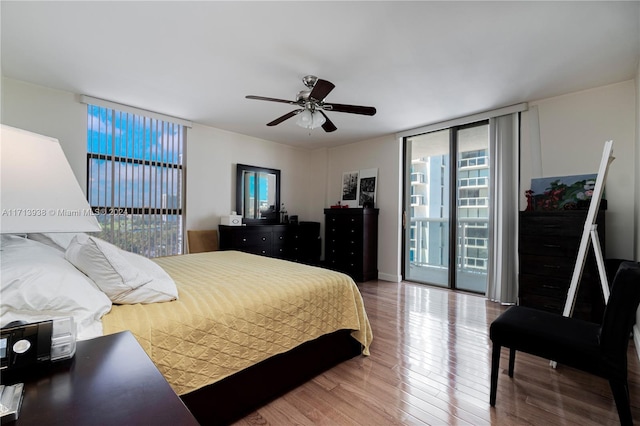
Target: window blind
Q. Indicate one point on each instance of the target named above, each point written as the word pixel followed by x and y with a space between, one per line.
pixel 136 180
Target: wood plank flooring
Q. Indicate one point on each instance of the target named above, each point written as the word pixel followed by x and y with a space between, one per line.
pixel 430 364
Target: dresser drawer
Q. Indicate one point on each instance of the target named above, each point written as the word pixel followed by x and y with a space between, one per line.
pixel 547 266
pixel 345 220
pixel 553 225
pixel 549 245
pixel 544 286
pixel 242 240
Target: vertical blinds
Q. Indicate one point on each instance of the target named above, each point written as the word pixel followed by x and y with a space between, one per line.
pixel 135 180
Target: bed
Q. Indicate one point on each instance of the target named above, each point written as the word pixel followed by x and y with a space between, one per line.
pixel 243 330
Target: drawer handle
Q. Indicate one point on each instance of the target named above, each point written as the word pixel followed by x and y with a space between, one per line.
pixel 264 238
pixel 551 266
pixel 552 245
pixel 551 226
pixel 550 307
pixel 550 286
pixel 244 240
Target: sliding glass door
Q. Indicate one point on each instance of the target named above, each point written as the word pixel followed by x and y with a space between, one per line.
pixel 438 193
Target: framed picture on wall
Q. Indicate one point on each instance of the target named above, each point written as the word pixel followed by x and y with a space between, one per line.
pixel 367 184
pixel 349 187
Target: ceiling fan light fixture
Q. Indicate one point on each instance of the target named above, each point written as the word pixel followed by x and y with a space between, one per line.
pixel 311 103
pixel 317 119
pixel 310 120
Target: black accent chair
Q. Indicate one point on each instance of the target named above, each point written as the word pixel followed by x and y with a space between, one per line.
pixel 594 348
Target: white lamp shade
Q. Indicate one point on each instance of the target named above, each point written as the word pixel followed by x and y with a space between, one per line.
pixel 305 119
pixel 317 120
pixel 39 192
pixel 310 120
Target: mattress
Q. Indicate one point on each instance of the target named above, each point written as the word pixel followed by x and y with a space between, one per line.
pixel 235 310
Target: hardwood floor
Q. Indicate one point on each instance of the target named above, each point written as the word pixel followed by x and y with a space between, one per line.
pixel 430 364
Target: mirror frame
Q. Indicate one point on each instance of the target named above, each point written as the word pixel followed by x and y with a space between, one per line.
pixel 240 169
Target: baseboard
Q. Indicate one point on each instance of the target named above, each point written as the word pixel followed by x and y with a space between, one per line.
pixel 389 277
pixel 636 339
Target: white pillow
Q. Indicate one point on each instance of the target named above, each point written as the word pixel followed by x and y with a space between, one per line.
pixel 127 278
pixel 37 283
pixel 58 240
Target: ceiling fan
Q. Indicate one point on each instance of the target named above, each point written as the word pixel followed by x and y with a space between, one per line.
pixel 312 105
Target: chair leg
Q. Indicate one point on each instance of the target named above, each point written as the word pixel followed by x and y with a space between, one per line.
pixel 620 390
pixel 495 369
pixel 512 361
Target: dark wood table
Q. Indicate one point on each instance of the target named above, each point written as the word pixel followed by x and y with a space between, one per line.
pixel 110 381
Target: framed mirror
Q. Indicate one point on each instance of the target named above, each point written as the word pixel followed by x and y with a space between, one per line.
pixel 258 194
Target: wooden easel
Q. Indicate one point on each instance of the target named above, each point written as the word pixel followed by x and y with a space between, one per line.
pixel 590 234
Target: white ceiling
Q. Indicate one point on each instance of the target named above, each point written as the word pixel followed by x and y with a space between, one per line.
pixel 416 62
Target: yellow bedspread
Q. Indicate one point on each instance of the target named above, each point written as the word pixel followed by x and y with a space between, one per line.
pixel 235 310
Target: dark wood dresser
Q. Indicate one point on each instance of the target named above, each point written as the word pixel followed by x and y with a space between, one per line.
pixel 351 242
pixel 548 249
pixel 299 242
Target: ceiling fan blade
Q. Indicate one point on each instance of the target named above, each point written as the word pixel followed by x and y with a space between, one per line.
pixel 321 89
pixel 262 98
pixel 352 109
pixel 284 117
pixel 328 125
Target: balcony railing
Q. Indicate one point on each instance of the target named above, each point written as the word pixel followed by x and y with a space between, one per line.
pixel 470 237
pixel 417 177
pixel 474 162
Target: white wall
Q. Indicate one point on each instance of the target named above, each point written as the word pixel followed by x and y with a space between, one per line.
pixel 573 129
pixel 385 155
pixel 211 153
pixel 51 113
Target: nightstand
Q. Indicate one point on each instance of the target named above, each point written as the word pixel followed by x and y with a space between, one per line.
pixel 110 381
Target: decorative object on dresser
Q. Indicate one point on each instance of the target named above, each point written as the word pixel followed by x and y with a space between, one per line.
pixel 351 242
pixel 299 242
pixel 359 188
pixel 548 248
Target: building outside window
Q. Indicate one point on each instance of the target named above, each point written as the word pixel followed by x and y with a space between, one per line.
pixel 135 180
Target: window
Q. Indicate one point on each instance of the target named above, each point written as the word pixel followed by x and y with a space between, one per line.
pixel 135 180
pixel 462 197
